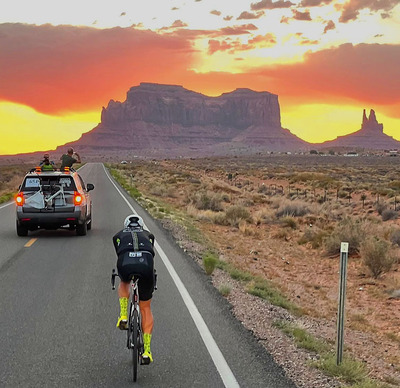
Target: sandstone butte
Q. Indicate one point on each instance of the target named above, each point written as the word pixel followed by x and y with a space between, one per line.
pixel 171 121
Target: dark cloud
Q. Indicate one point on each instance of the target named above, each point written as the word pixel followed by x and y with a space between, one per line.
pixel 215 12
pixel 352 8
pixel 314 3
pixel 329 26
pixel 269 4
pixel 250 15
pixel 123 14
pixel 297 15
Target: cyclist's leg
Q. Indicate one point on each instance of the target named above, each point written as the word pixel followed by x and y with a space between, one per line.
pixel 146 288
pixel 147 316
pixel 123 293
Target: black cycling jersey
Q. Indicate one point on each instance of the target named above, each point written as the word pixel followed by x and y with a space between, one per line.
pixel 133 240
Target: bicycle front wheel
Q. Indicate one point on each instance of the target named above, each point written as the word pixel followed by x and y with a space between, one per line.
pixel 135 343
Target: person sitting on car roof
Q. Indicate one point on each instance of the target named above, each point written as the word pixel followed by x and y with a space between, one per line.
pixel 68 159
pixel 46 164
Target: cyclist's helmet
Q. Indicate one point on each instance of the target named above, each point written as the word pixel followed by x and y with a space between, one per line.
pixel 133 221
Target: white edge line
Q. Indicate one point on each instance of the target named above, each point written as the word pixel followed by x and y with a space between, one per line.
pixel 222 366
pixel 7 204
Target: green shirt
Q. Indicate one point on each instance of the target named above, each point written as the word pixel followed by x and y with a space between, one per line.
pixel 67 161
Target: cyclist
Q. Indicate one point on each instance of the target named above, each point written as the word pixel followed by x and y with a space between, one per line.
pixel 134 238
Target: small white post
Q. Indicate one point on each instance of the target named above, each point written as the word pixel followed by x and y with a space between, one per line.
pixel 344 253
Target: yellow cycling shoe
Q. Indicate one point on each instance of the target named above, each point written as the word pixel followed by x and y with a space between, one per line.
pixel 122 323
pixel 147 358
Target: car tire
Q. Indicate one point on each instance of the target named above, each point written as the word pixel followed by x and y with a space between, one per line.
pixel 81 229
pixel 22 231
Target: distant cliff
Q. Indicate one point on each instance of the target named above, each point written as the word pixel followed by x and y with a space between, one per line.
pixel 170 120
pixel 370 136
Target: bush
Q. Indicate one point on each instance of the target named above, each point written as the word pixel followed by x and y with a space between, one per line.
pixel 395 237
pixel 207 201
pixel 314 237
pixel 234 214
pixel 289 222
pixel 380 207
pixel 389 214
pixel 225 289
pixel 209 262
pixel 295 209
pixel 348 230
pixel 376 257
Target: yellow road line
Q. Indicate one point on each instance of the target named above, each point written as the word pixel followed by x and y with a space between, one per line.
pixel 30 242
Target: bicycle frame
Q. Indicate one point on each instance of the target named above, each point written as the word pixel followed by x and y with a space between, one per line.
pixel 134 333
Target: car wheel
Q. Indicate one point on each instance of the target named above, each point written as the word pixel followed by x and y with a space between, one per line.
pixel 22 231
pixel 81 230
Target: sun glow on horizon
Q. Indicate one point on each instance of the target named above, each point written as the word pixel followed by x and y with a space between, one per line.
pixel 25 130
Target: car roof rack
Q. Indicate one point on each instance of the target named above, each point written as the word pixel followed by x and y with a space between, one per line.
pixel 64 169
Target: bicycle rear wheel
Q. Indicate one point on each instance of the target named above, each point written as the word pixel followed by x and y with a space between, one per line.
pixel 135 343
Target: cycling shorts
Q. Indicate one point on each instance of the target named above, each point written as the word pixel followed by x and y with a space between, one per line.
pixel 140 264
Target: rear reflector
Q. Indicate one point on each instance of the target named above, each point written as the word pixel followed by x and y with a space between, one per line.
pixel 71 219
pixel 25 219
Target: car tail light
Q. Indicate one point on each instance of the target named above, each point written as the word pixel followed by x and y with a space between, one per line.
pixel 19 199
pixel 77 198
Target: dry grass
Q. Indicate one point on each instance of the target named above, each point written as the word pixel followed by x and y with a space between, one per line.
pixel 296 226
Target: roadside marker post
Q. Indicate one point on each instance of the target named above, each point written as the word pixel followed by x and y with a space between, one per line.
pixel 344 254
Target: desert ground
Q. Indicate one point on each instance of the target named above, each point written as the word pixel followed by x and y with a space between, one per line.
pixel 274 224
pixel 267 230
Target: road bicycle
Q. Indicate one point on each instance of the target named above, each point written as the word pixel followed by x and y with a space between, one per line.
pixel 134 332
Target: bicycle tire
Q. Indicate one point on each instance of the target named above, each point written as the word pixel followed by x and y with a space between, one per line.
pixel 135 343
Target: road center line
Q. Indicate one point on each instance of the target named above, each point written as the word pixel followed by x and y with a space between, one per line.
pixel 30 242
pixel 222 366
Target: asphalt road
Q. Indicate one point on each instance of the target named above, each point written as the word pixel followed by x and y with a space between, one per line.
pixel 58 312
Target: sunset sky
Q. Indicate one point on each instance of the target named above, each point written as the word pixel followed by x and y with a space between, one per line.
pixel 327 60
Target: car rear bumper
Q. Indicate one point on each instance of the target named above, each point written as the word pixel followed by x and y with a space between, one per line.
pixel 50 219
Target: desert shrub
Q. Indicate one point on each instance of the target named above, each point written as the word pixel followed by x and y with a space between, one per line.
pixel 293 209
pixel 395 237
pixel 206 200
pixel 289 222
pixel 381 207
pixel 347 230
pixel 234 214
pixel 225 289
pixel 376 256
pixel 315 237
pixel 209 262
pixel 389 214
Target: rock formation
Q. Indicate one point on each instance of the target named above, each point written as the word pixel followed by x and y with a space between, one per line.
pixel 169 121
pixel 370 136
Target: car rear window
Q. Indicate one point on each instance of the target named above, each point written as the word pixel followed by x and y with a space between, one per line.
pixel 48 183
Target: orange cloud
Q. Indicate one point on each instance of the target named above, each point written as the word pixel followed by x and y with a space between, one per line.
pixel 65 68
pixel 258 41
pixel 269 4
